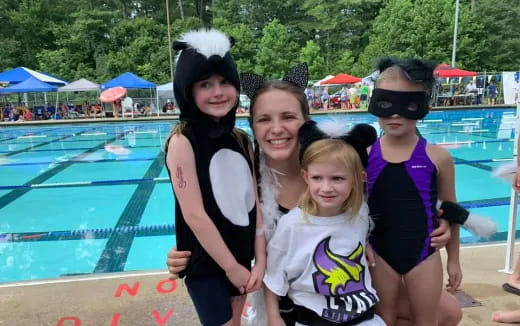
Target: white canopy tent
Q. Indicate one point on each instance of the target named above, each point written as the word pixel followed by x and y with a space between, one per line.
pixel 165 91
pixel 81 85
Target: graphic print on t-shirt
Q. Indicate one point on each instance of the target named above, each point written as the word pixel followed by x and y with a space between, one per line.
pixel 341 279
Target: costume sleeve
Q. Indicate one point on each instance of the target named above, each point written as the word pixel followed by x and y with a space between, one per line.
pixel 277 255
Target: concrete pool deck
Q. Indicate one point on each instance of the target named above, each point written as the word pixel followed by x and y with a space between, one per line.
pixel 141 299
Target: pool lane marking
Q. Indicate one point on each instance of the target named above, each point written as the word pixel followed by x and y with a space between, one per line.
pixel 87 183
pixel 31 136
pixel 86 277
pixel 114 256
pixel 41 178
pixel 94 134
pixel 169 229
pixel 28 149
pixel 90 234
pixel 81 161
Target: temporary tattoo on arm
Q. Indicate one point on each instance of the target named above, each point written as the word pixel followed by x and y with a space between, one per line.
pixel 181 182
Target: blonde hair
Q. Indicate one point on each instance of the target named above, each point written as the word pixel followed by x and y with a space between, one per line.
pixel 335 150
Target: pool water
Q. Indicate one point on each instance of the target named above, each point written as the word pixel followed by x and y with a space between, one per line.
pixel 95 198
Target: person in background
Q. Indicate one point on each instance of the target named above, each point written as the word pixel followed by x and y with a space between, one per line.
pixel 353 91
pixel 364 95
pixel 344 98
pixel 28 114
pixel 325 98
pixel 491 94
pixel 309 96
pixel 117 108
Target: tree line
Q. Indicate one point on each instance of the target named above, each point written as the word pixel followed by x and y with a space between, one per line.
pixel 100 39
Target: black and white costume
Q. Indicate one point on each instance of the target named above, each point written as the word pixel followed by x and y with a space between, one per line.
pixel 223 166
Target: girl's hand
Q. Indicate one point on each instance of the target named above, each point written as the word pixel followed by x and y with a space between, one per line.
pixel 371 257
pixel 516 181
pixel 239 276
pixel 454 276
pixel 177 262
pixel 255 281
pixel 442 234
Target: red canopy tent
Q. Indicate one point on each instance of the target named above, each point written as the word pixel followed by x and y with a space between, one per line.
pixel 444 71
pixel 341 79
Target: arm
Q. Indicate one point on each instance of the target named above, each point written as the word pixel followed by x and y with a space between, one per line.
pixel 446 184
pixel 185 182
pixel 272 308
pixel 516 182
pixel 257 273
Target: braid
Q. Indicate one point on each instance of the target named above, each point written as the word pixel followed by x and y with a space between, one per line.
pixel 257 167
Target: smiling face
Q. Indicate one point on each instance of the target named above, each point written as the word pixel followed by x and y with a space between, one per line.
pixel 277 116
pixel 396 125
pixel 330 185
pixel 215 96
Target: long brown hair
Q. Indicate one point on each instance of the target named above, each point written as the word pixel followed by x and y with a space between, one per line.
pixel 335 150
pixel 281 85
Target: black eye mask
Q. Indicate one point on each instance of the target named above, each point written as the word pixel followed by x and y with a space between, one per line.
pixel 410 105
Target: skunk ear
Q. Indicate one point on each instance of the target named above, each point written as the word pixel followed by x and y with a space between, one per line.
pixel 364 133
pixel 298 75
pixel 361 137
pixel 308 133
pixel 250 83
pixel 232 41
pixel 179 45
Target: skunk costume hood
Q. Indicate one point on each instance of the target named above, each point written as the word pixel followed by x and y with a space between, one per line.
pixel 203 53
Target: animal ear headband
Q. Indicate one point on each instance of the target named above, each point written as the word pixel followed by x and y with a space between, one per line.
pixel 251 83
pixel 361 136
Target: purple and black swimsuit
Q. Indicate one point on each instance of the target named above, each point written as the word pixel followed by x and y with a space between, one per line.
pixel 402 198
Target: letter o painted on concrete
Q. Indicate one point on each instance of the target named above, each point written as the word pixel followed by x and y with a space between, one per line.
pixel 76 320
pixel 166 286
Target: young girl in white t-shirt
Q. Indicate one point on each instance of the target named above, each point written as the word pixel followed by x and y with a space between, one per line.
pixel 317 254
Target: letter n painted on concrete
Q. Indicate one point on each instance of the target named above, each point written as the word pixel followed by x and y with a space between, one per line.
pixel 124 287
pixel 76 320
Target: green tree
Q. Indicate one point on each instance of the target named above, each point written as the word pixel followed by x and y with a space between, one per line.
pixel 245 47
pixel 422 29
pixel 276 53
pixel 501 44
pixel 345 64
pixel 311 54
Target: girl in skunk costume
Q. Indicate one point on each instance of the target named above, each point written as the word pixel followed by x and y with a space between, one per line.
pixel 211 171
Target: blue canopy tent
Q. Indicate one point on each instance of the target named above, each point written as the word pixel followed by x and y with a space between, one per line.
pixel 129 80
pixel 18 75
pixel 29 85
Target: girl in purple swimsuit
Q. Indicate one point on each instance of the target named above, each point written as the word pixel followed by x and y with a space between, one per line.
pixel 406 176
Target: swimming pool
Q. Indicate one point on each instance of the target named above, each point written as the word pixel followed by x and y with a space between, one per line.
pixel 95 198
